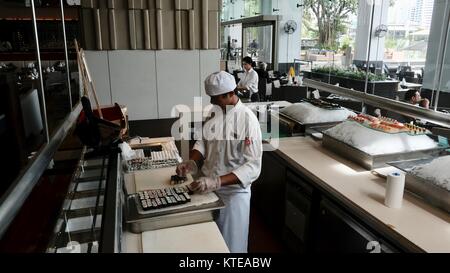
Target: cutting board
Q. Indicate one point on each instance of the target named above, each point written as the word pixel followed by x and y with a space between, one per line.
pixel 156 179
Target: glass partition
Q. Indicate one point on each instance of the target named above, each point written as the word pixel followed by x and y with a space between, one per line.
pixel 334 47
pixel 406 40
pixel 440 99
pixel 400 53
pixel 230 10
pixel 28 108
pixel 410 43
pixel 53 59
pixel 329 34
pixel 436 79
pixel 393 49
pixel 252 8
pixel 231 49
pixel 238 9
pixel 22 126
pixel 257 43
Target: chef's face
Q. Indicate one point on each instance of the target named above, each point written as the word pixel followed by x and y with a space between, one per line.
pixel 246 66
pixel 417 98
pixel 222 100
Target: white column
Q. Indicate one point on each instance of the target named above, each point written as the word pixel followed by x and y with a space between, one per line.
pixel 380 17
pixel 267 6
pixel 289 45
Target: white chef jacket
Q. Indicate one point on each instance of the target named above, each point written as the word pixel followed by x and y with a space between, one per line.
pixel 238 152
pixel 232 149
pixel 250 81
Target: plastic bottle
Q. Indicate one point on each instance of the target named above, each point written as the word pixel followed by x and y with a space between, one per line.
pixel 292 72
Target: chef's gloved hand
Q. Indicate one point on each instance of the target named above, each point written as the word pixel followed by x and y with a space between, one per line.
pixel 187 167
pixel 205 185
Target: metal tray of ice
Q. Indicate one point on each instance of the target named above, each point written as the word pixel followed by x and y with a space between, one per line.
pixel 371 162
pixel 423 188
pixel 297 128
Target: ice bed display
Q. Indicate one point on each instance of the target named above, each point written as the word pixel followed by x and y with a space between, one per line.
pixel 374 142
pixel 316 111
pixel 377 136
pixel 437 172
pixel 428 179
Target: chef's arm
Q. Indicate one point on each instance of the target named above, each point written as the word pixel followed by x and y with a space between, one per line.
pixel 226 180
pixel 242 87
pixel 197 157
pixel 229 179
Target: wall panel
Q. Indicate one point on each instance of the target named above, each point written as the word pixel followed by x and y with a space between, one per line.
pixel 150 83
pixel 172 24
pixel 97 62
pixel 133 82
pixel 178 79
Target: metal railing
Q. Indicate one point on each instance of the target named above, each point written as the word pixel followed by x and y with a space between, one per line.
pixel 402 108
pixel 12 201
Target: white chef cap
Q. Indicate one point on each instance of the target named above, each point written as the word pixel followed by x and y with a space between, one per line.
pixel 219 83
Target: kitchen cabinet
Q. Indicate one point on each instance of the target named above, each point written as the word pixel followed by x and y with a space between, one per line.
pixel 338 232
pixel 268 192
pixel 314 222
pixel 299 213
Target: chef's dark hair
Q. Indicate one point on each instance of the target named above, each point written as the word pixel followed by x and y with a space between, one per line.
pixel 410 94
pixel 249 61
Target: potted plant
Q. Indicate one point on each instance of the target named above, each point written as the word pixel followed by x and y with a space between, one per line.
pixel 378 84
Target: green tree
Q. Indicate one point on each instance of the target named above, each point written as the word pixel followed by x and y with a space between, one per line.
pixel 331 18
pixel 309 30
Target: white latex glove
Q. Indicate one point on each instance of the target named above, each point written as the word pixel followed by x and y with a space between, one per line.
pixel 187 167
pixel 206 184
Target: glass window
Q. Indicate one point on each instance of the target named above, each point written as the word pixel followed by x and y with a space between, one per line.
pixel 252 8
pixel 329 47
pixel 406 42
pixel 329 33
pixel 225 12
pixel 231 49
pixel 22 111
pixel 52 48
pixel 436 69
pixel 258 44
pixel 21 121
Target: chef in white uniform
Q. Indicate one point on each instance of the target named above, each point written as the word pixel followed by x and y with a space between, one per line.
pixel 228 159
pixel 249 81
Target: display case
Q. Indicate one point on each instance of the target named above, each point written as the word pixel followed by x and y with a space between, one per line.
pixel 299 214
